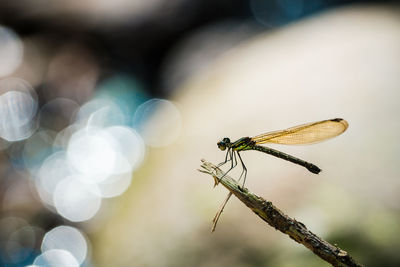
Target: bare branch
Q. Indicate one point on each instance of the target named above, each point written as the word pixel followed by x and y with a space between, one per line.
pixel 277 219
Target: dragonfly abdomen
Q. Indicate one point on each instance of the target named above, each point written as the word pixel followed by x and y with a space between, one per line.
pixel 309 166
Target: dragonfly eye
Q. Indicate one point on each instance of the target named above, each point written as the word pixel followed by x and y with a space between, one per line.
pixel 221 145
pixel 226 140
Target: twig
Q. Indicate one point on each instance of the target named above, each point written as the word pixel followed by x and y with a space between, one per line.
pixel 277 219
pixel 221 209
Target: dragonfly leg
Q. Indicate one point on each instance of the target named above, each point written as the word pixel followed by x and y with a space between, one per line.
pixel 234 163
pixel 244 171
pixel 228 153
pixel 234 158
pixel 226 159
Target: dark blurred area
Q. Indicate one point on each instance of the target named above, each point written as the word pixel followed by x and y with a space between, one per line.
pixel 110 65
pixel 137 38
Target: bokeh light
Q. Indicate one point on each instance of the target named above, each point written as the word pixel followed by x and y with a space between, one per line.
pixel 91 152
pixel 91 157
pixel 100 113
pixel 129 146
pixel 18 105
pixel 66 238
pixel 11 51
pixel 73 192
pixel 56 258
pixel 53 170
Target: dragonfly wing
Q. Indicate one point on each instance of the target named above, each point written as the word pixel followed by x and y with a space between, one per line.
pixel 304 134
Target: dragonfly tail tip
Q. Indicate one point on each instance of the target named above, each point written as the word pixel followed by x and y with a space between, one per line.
pixel 314 169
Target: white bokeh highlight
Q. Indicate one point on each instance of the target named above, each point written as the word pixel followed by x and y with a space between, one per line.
pixel 91 151
pixel 11 51
pixel 56 258
pixel 18 106
pixel 94 157
pixel 100 113
pixel 66 238
pixel 129 146
pixel 53 170
pixel 75 200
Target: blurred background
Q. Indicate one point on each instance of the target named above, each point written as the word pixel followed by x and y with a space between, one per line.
pixel 107 107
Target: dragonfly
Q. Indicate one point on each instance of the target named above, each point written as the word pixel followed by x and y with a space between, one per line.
pixel 308 133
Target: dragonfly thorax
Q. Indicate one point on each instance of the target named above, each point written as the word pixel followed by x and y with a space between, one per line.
pixel 224 143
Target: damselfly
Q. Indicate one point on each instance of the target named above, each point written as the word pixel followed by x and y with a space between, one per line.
pixel 303 134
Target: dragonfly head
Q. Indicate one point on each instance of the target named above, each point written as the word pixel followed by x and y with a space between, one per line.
pixel 224 143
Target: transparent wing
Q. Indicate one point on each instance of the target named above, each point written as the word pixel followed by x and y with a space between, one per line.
pixel 304 134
